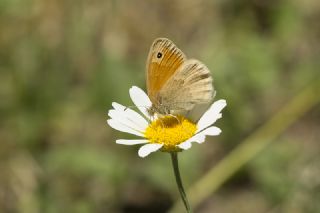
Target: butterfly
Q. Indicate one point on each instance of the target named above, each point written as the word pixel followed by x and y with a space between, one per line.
pixel 175 84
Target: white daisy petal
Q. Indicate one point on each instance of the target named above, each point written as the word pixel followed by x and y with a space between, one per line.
pixel 131 142
pixel 123 128
pixel 213 130
pixel 121 117
pixel 148 148
pixel 199 138
pixel 140 99
pixel 118 106
pixel 129 117
pixel 211 115
pixel 137 118
pixel 185 145
pixel 127 111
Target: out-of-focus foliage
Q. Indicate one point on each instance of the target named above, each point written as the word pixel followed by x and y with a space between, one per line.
pixel 62 63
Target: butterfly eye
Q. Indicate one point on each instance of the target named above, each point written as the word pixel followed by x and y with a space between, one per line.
pixel 159 55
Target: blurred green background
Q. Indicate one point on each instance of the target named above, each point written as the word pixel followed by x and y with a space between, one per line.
pixel 62 63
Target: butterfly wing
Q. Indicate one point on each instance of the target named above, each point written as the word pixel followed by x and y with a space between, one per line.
pixel 163 61
pixel 189 86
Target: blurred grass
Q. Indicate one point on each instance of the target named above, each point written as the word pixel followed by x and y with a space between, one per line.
pixel 253 145
pixel 62 63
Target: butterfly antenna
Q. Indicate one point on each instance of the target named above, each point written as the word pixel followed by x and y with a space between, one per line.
pixel 133 106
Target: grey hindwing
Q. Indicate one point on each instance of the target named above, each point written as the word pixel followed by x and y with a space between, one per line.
pixel 189 86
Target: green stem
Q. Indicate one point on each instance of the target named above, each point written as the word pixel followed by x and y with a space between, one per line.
pixel 174 158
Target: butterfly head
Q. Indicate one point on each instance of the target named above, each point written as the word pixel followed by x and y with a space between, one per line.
pixel 158 109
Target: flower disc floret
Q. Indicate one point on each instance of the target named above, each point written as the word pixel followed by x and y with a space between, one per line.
pixel 170 131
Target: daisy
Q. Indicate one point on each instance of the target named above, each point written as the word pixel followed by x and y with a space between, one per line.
pixel 169 133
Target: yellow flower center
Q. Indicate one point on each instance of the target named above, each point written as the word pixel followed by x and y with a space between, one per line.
pixel 170 131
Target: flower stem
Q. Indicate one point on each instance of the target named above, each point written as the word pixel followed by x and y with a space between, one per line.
pixel 174 158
